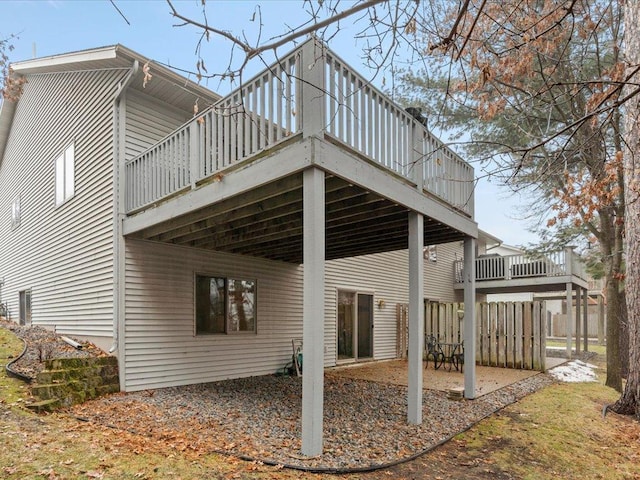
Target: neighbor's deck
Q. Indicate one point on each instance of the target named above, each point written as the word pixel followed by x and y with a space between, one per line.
pixel 231 179
pixel 526 273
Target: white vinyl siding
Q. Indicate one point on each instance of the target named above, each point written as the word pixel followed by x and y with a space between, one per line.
pixel 148 122
pixel 63 255
pixel 386 275
pixel 161 348
pixel 15 212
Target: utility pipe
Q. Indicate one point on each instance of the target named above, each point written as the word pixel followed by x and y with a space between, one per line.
pixel 117 250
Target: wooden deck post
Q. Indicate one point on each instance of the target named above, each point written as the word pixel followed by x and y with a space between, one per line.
pixel 569 322
pixel 313 89
pixel 585 318
pixel 313 311
pixel 469 317
pixel 416 317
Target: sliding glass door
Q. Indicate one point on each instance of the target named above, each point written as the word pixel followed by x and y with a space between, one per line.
pixel 355 325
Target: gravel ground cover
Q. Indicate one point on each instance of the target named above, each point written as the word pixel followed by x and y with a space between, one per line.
pixel 259 417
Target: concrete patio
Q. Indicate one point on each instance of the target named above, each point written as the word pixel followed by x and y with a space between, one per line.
pixel 488 379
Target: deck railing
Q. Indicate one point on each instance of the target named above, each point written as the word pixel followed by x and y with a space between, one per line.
pixel 508 267
pixel 311 91
pixel 596 285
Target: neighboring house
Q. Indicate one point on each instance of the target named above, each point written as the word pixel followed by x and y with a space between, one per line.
pixel 196 249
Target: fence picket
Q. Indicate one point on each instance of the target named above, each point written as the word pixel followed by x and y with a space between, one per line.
pixel 510 350
pixel 538 355
pixel 502 308
pixel 527 334
pixel 508 334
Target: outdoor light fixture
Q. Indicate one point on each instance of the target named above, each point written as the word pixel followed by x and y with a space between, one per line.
pixel 381 304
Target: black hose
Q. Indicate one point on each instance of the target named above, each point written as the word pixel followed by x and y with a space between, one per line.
pixel 11 372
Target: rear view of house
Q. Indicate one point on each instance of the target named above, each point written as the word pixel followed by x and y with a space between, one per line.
pixel 299 206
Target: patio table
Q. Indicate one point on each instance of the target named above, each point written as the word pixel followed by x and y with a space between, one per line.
pixel 452 353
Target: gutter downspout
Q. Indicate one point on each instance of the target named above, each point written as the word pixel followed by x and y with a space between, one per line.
pixel 119 125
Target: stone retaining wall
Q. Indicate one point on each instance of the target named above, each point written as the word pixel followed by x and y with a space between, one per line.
pixel 67 381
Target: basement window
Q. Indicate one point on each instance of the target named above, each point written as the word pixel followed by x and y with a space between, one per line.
pixel 225 305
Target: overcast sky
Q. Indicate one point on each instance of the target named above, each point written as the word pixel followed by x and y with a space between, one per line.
pixel 58 26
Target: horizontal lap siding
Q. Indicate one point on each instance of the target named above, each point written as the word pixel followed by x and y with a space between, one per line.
pixel 162 350
pixel 63 254
pixel 383 274
pixel 386 275
pixel 439 275
pixel 148 122
pixel 160 346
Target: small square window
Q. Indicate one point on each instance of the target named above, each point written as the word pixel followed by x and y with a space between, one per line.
pixel 16 213
pixel 225 305
pixel 65 175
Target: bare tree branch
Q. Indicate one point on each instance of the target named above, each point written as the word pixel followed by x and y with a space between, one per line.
pixel 252 52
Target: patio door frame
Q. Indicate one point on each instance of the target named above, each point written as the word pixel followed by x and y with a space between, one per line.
pixel 356 327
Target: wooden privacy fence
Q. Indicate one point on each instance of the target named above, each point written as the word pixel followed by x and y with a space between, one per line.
pixel 509 334
pixel 402 330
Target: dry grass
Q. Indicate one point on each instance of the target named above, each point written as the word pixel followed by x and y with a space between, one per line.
pixel 556 433
pixel 560 433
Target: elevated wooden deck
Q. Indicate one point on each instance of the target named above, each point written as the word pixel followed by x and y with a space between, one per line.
pixel 522 273
pixel 231 178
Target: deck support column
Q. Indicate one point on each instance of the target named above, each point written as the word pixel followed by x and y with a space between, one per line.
pixel 416 317
pixel 313 310
pixel 569 321
pixel 585 318
pixel 578 318
pixel 469 318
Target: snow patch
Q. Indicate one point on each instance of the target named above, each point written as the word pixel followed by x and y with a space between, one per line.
pixel 575 371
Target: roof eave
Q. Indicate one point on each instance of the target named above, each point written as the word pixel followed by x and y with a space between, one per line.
pixel 166 72
pixel 7 111
pixel 490 239
pixel 45 63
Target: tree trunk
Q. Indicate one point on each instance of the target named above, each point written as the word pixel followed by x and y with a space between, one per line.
pixel 624 337
pixel 629 402
pixel 610 239
pixel 614 371
pixel 614 332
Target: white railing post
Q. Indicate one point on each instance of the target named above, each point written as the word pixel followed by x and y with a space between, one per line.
pixel 194 154
pixel 470 191
pixel 416 155
pixel 313 89
pixel 568 260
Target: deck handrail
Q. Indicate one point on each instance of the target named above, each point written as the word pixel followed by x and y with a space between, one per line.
pixel 309 91
pixel 510 267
